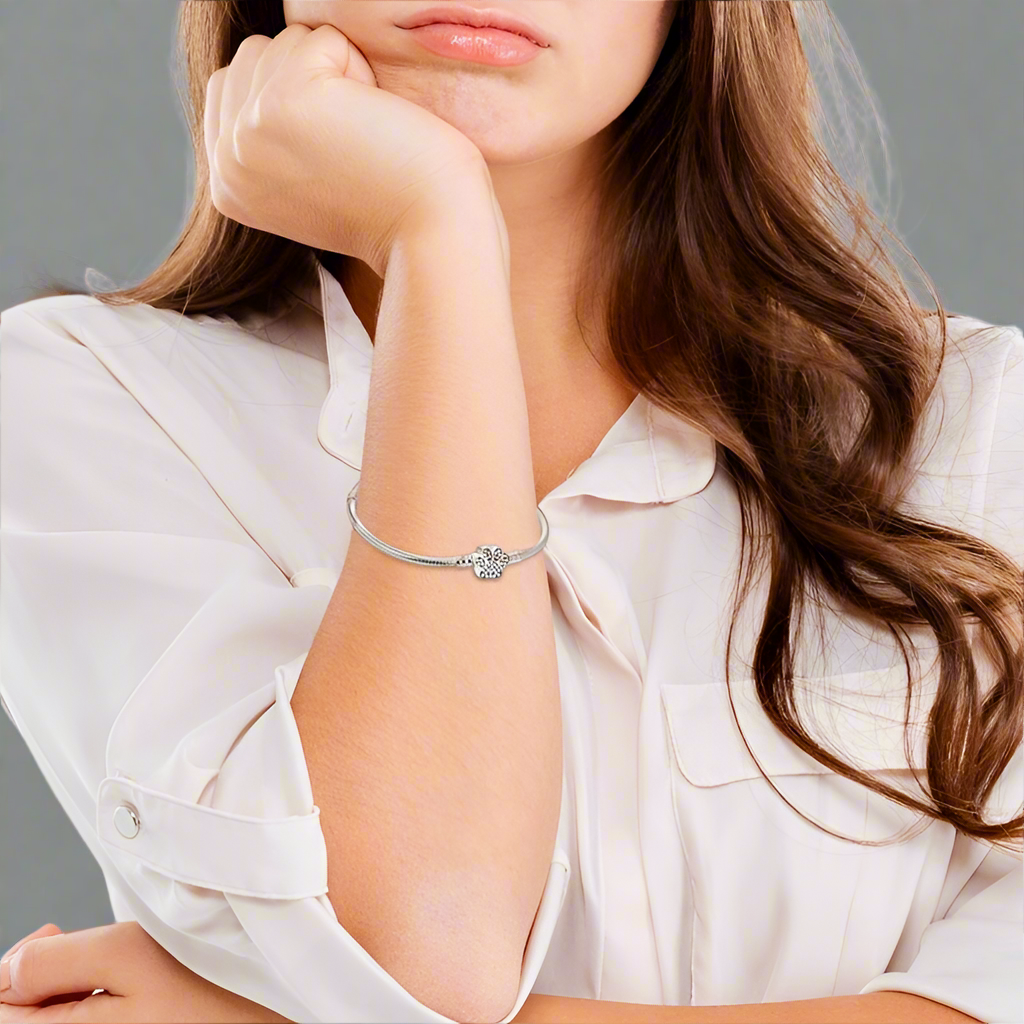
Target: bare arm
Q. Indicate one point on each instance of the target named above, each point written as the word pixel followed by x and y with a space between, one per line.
pixel 874 1008
pixel 152 985
pixel 428 706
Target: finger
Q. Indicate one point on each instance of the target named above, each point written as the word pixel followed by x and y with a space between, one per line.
pixel 274 56
pixel 238 83
pixel 87 1009
pixel 102 1007
pixel 211 113
pixel 326 48
pixel 46 929
pixel 68 997
pixel 62 964
pixel 38 1014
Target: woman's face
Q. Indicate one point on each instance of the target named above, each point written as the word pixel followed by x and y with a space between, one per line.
pixel 600 55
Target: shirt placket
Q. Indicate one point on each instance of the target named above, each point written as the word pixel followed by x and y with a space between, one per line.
pixel 589 590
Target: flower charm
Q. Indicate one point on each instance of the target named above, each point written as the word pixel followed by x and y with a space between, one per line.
pixel 488 561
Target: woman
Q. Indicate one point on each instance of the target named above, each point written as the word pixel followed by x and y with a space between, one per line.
pixel 599 263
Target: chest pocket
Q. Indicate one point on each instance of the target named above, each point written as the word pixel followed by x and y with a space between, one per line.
pixel 856 716
pixel 779 908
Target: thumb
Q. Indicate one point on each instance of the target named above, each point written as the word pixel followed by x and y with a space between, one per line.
pixel 46 929
pixel 45 966
pixel 326 46
pixel 5 960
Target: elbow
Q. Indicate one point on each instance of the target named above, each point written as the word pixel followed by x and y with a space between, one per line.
pixel 476 961
pixel 473 992
pixel 463 972
pixel 484 998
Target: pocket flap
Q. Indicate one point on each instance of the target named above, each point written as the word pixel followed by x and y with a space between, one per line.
pixel 858 716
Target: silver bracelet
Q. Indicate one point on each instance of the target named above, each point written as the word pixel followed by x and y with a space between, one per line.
pixel 487 561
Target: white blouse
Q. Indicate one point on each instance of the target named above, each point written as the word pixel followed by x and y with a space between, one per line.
pixel 173 525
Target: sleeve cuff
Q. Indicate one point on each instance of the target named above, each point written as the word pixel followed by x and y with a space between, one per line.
pixel 254 835
pixel 898 981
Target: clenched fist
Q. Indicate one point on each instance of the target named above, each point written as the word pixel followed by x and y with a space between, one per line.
pixel 302 143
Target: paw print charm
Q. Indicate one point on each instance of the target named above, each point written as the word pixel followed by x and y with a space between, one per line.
pixel 488 561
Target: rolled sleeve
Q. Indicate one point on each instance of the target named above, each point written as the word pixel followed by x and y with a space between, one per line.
pixel 971 956
pixel 150 651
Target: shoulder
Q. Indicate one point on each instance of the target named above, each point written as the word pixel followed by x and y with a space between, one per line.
pixel 67 361
pixel 979 356
pixel 161 347
pixel 967 459
pixel 82 319
pixel 69 310
pixel 65 341
pixel 83 383
pixel 57 341
pixel 983 364
pixel 42 351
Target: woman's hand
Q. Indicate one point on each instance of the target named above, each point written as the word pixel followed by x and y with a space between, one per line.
pixel 302 143
pixel 54 975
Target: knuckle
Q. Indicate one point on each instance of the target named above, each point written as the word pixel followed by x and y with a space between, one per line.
pixel 29 966
pixel 221 196
pixel 271 111
pixel 242 141
pixel 257 113
pixel 225 159
pixel 221 203
pixel 269 103
pixel 295 29
pixel 255 42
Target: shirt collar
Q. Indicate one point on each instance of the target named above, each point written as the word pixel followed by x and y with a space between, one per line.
pixel 648 456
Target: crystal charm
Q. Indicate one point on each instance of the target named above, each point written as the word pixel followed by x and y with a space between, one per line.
pixel 488 561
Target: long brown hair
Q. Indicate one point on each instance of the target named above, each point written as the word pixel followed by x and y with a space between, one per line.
pixel 749 291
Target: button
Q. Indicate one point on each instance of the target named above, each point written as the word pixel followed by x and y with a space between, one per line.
pixel 126 821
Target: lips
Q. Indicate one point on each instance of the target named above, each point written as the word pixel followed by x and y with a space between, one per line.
pixel 453 14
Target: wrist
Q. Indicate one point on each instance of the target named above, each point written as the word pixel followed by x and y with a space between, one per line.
pixel 465 207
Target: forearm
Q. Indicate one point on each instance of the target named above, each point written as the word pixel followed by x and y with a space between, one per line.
pixel 875 1008
pixel 428 706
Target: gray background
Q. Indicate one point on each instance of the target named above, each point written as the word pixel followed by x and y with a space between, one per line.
pixel 96 174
